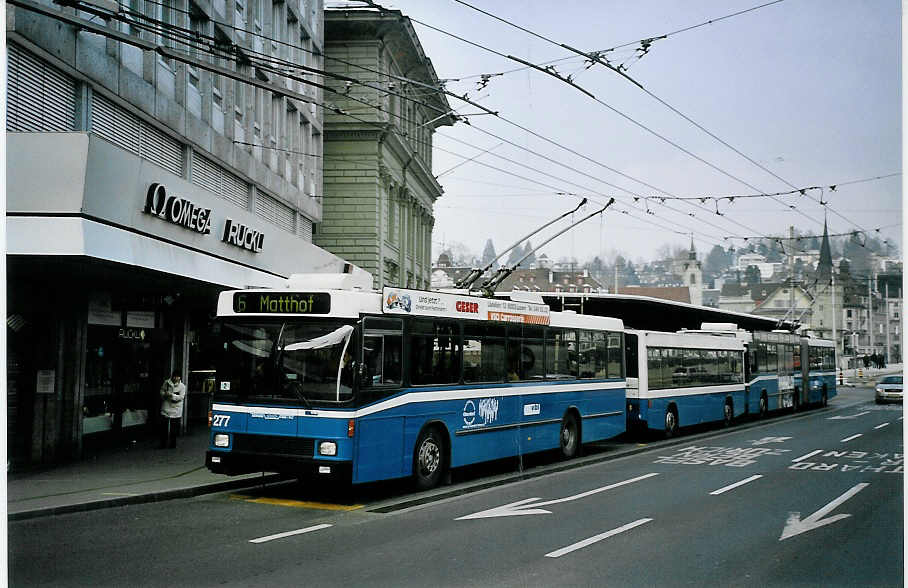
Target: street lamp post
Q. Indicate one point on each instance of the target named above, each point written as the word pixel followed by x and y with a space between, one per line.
pixel 854 351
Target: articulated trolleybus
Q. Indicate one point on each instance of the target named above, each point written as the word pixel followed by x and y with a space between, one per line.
pixel 683 378
pixel 720 373
pixel 328 379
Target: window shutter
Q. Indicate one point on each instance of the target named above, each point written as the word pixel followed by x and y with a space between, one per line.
pixel 161 149
pixel 39 96
pixel 114 124
pixel 304 229
pixel 271 209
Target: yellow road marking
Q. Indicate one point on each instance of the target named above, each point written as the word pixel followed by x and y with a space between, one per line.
pixel 297 503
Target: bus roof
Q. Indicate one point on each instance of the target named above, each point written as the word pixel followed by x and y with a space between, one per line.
pixel 342 296
pixel 569 318
pixel 689 339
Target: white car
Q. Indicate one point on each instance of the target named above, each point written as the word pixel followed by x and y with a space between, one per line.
pixel 889 389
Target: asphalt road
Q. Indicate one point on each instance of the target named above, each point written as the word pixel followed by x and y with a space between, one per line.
pixel 814 498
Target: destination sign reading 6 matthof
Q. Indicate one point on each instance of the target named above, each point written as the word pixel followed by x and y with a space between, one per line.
pixel 282 302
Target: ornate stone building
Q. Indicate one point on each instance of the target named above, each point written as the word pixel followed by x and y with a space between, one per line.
pixel 378 183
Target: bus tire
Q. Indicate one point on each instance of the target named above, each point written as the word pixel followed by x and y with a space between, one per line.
pixel 824 401
pixel 569 438
pixel 728 413
pixel 764 405
pixel 429 459
pixel 796 401
pixel 671 422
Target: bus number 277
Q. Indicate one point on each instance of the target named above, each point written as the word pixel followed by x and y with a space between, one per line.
pixel 220 420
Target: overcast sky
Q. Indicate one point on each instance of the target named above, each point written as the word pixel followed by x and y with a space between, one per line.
pixel 808 89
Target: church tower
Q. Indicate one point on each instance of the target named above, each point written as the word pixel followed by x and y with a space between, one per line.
pixel 827 305
pixel 690 271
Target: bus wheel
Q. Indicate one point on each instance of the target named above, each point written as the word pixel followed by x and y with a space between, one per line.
pixel 729 413
pixel 764 406
pixel 671 422
pixel 825 399
pixel 570 436
pixel 428 459
pixel 796 401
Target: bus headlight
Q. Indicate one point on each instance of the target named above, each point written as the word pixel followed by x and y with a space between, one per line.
pixel 327 448
pixel 221 440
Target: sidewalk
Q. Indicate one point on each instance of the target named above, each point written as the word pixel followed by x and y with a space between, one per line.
pixel 868 376
pixel 134 474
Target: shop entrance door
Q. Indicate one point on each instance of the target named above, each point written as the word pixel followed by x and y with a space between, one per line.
pixel 120 393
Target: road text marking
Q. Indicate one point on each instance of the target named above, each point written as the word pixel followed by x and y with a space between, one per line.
pixel 805 456
pixel 796 526
pixel 289 533
pixel 853 416
pixel 522 507
pixel 846 439
pixel 597 538
pixel 735 485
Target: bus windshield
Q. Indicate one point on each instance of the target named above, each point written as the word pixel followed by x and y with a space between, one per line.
pixel 279 362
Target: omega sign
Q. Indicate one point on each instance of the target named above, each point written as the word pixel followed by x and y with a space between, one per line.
pixel 183 212
pixel 177 210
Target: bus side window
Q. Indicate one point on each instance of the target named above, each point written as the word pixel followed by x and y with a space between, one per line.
pixel 382 356
pixel 435 352
pixel 615 357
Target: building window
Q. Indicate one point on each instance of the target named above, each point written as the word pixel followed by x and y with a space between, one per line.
pixel 132 15
pixel 169 20
pixel 240 16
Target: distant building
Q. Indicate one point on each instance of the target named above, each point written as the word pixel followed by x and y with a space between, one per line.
pixel 711 297
pixel 734 297
pixel 673 293
pixel 785 302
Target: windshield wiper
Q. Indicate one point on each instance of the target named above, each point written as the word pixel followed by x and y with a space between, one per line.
pixel 280 382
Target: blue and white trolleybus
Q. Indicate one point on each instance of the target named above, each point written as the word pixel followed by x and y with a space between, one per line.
pixel 327 378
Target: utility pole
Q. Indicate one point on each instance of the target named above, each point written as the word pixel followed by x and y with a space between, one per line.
pixel 834 312
pixel 870 313
pixel 791 290
pixel 888 343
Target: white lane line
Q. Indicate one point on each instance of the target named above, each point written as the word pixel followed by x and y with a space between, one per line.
pixel 881 426
pixel 811 454
pixel 597 538
pixel 862 413
pixel 735 485
pixel 289 533
pixel 846 439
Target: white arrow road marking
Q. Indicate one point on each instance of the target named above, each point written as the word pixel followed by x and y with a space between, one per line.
pixel 881 426
pixel 846 439
pixel 597 538
pixel 735 485
pixel 289 534
pixel 796 526
pixel 806 455
pixel 853 416
pixel 522 507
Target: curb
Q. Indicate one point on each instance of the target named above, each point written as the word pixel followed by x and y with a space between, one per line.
pixel 161 496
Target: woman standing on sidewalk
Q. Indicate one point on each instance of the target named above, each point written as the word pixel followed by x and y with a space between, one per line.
pixel 173 391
